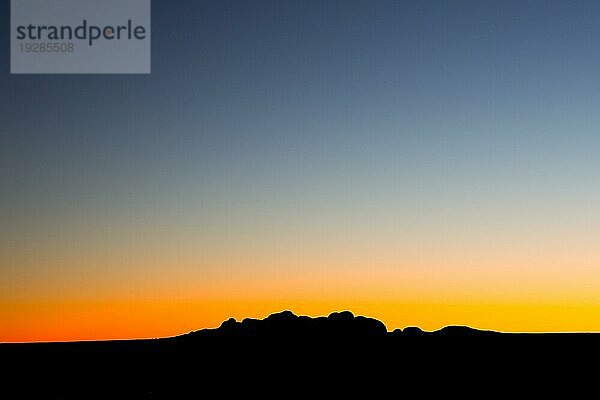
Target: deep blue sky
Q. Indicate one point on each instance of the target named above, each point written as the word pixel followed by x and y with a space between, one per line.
pixel 465 125
pixel 238 86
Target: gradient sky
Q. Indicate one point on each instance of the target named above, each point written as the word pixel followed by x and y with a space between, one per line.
pixel 422 162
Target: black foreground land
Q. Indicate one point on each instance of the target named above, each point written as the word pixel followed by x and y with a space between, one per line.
pixel 283 350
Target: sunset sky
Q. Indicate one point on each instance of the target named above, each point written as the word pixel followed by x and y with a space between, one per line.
pixel 425 163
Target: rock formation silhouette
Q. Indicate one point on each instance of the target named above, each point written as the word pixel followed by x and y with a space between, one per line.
pixel 282 349
pixel 286 324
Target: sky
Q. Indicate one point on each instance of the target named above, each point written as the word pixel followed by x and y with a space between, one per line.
pixel 425 163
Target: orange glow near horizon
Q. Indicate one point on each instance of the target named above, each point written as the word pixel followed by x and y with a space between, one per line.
pixel 107 321
pixel 170 314
pixel 122 287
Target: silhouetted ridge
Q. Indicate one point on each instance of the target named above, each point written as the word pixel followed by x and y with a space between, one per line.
pixel 295 349
pixel 338 324
pixel 287 324
pixel 462 331
pixel 409 331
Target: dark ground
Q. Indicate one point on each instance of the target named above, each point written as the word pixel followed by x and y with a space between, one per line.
pixel 289 356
